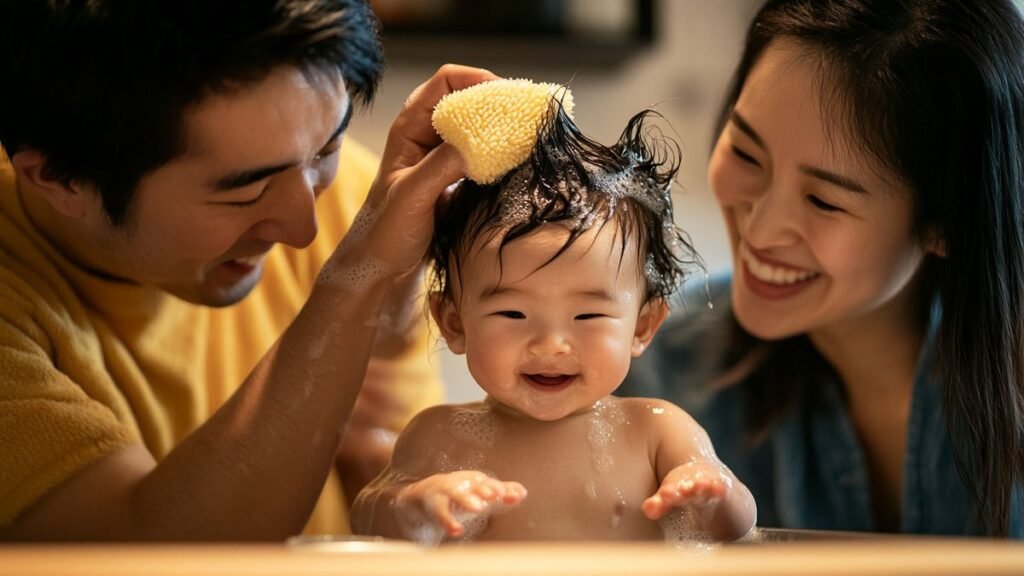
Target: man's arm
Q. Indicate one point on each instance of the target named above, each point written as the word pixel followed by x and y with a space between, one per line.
pixel 255 469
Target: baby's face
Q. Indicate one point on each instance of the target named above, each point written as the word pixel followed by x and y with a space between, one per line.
pixel 549 339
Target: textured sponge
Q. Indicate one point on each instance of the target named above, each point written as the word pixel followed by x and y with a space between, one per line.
pixel 494 124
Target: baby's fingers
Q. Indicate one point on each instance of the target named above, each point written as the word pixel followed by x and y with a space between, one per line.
pixel 439 507
pixel 655 507
pixel 512 493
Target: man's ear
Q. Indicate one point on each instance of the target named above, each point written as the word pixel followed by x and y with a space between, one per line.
pixel 447 318
pixel 651 317
pixel 70 200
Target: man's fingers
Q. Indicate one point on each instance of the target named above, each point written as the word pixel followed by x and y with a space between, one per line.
pixel 434 173
pixel 420 104
pixel 412 135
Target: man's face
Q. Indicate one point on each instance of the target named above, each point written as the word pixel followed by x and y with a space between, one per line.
pixel 200 226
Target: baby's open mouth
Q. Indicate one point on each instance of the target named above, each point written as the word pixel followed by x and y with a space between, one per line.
pixel 550 380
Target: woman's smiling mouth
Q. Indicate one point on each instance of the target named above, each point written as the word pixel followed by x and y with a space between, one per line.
pixel 771 281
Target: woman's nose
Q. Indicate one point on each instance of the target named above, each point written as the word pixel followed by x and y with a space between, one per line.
pixel 291 216
pixel 769 219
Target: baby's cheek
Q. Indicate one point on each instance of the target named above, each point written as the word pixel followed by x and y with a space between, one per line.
pixel 611 355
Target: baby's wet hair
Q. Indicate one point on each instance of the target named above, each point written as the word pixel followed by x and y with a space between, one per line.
pixel 572 180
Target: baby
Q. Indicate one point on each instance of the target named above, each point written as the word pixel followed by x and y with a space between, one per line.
pixel 549 280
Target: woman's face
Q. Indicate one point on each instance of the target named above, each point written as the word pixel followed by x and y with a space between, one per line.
pixel 821 236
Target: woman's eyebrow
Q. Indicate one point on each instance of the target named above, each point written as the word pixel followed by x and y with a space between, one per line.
pixel 831 177
pixel 844 182
pixel 745 127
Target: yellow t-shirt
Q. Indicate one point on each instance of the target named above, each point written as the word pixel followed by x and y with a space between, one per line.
pixel 88 365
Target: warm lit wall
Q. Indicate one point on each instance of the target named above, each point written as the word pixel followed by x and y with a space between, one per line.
pixel 683 74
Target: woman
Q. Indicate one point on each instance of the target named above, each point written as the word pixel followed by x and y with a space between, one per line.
pixel 862 368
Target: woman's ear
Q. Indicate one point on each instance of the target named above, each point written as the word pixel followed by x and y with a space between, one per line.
pixel 935 243
pixel 67 199
pixel 447 317
pixel 651 317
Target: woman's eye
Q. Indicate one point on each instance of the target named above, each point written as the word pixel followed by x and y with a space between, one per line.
pixel 822 205
pixel 744 156
pixel 513 314
pixel 588 316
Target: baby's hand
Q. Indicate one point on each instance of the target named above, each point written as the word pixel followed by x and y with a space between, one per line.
pixel 697 484
pixel 466 494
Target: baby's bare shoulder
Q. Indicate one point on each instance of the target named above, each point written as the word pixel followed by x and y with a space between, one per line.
pixel 441 418
pixel 655 413
pixel 432 430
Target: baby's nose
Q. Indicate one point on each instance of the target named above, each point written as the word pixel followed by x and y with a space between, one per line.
pixel 550 343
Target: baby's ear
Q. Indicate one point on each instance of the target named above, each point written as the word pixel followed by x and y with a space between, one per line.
pixel 652 315
pixel 447 317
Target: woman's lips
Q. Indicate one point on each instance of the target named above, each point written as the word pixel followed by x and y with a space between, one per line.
pixel 772 281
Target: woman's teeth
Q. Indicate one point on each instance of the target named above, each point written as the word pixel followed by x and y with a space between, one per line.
pixel 772 274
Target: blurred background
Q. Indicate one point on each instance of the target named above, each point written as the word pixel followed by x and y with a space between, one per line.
pixel 619 56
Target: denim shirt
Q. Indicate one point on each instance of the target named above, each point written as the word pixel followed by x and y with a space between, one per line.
pixel 810 472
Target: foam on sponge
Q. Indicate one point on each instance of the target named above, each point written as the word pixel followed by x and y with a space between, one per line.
pixel 494 124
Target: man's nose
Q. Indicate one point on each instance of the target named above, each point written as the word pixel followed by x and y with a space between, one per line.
pixel 291 216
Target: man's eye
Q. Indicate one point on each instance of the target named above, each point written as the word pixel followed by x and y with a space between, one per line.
pixel 589 316
pixel 513 314
pixel 244 203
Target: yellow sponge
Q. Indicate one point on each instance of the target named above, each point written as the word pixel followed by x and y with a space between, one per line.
pixel 494 124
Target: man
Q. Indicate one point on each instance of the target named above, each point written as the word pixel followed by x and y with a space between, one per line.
pixel 174 363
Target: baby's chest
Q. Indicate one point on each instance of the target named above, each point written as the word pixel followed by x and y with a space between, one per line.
pixel 577 494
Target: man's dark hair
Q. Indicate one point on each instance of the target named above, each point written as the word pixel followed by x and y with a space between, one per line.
pixel 101 87
pixel 574 181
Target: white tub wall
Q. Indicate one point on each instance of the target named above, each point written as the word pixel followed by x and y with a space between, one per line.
pixel 685 73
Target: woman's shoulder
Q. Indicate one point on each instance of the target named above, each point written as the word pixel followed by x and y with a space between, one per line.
pixel 701 303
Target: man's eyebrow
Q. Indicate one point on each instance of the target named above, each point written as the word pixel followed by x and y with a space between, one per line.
pixel 342 126
pixel 819 173
pixel 243 178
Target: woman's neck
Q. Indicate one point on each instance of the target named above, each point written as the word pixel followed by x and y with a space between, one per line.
pixel 876 355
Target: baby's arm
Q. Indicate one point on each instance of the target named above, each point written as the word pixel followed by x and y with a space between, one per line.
pixel 691 476
pixel 411 500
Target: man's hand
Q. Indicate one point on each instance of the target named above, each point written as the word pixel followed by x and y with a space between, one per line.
pixel 394 227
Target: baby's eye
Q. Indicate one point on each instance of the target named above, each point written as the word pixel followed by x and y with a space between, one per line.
pixel 589 316
pixel 513 314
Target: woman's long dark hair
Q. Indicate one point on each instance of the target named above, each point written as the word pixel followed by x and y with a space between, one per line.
pixel 934 90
